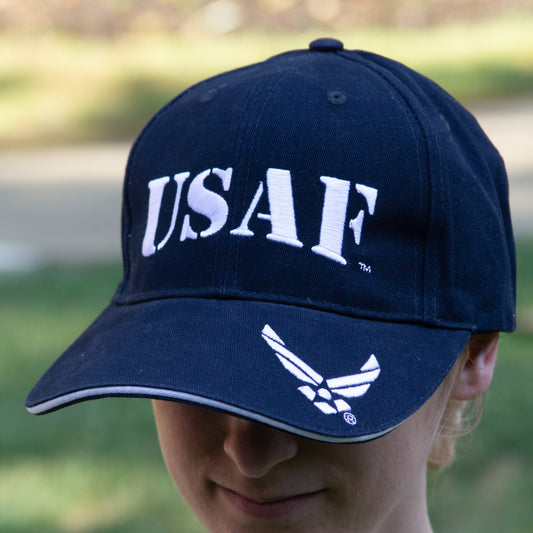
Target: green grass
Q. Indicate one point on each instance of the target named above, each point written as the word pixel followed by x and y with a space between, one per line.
pixel 58 88
pixel 96 467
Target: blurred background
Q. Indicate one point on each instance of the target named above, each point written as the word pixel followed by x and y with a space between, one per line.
pixel 78 80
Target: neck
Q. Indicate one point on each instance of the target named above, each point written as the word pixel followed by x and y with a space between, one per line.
pixel 411 514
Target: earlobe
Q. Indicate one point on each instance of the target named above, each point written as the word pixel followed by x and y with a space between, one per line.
pixel 475 375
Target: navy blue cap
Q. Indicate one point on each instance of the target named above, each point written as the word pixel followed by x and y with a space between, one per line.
pixel 308 242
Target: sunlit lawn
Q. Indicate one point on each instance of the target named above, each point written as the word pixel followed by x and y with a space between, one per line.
pixel 96 467
pixel 56 88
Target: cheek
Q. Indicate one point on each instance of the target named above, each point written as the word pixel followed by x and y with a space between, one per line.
pixel 409 445
pixel 383 472
pixel 406 449
pixel 380 472
pixel 188 439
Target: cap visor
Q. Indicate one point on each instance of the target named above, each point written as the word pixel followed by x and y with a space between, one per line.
pixel 320 375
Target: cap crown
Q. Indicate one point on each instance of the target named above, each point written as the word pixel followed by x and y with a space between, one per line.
pixel 329 179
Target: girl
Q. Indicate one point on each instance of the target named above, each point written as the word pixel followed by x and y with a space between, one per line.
pixel 318 256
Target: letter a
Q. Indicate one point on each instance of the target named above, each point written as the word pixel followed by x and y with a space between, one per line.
pixel 281 209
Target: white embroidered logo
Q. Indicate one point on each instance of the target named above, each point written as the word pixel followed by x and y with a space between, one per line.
pixel 281 216
pixel 320 391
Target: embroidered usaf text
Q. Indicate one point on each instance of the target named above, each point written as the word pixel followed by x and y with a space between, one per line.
pixel 206 202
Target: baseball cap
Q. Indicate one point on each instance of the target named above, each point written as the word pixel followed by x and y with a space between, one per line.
pixel 308 242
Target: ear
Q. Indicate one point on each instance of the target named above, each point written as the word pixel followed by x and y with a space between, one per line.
pixel 474 378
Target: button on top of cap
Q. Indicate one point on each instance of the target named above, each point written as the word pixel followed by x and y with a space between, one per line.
pixel 326 45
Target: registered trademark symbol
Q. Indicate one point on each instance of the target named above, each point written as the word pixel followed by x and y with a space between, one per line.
pixel 349 418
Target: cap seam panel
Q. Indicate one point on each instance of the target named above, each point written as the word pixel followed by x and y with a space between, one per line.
pixel 243 146
pixel 273 85
pixel 238 143
pixel 399 91
pixel 131 160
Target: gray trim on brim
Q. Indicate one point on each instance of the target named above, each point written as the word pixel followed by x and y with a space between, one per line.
pixel 149 392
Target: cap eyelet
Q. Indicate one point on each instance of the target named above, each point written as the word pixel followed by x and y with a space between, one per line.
pixel 336 97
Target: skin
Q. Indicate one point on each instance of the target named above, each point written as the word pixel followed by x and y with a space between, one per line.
pixel 239 476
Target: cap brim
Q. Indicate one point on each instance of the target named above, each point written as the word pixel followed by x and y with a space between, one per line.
pixel 317 374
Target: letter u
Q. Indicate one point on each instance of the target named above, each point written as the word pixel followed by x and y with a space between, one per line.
pixel 157 187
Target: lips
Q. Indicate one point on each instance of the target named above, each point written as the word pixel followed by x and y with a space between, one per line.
pixel 268 507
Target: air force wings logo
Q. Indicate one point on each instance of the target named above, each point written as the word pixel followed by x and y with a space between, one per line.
pixel 326 394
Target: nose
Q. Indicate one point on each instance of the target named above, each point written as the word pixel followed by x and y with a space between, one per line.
pixel 256 449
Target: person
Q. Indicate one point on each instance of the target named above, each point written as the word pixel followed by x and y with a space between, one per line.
pixel 318 258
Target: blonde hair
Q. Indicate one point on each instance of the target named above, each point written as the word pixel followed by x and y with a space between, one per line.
pixel 459 418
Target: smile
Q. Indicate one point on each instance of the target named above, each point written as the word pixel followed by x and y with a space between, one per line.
pixel 268 507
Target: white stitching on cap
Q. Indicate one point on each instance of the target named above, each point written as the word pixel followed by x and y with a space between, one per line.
pixel 350 386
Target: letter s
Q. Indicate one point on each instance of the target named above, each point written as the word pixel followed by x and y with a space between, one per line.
pixel 207 203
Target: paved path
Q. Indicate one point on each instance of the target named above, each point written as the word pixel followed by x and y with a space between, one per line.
pixel 63 204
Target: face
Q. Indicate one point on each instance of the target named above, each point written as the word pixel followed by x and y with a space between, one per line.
pixel 239 476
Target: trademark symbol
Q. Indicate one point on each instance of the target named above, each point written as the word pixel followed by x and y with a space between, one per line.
pixel 349 418
pixel 365 268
